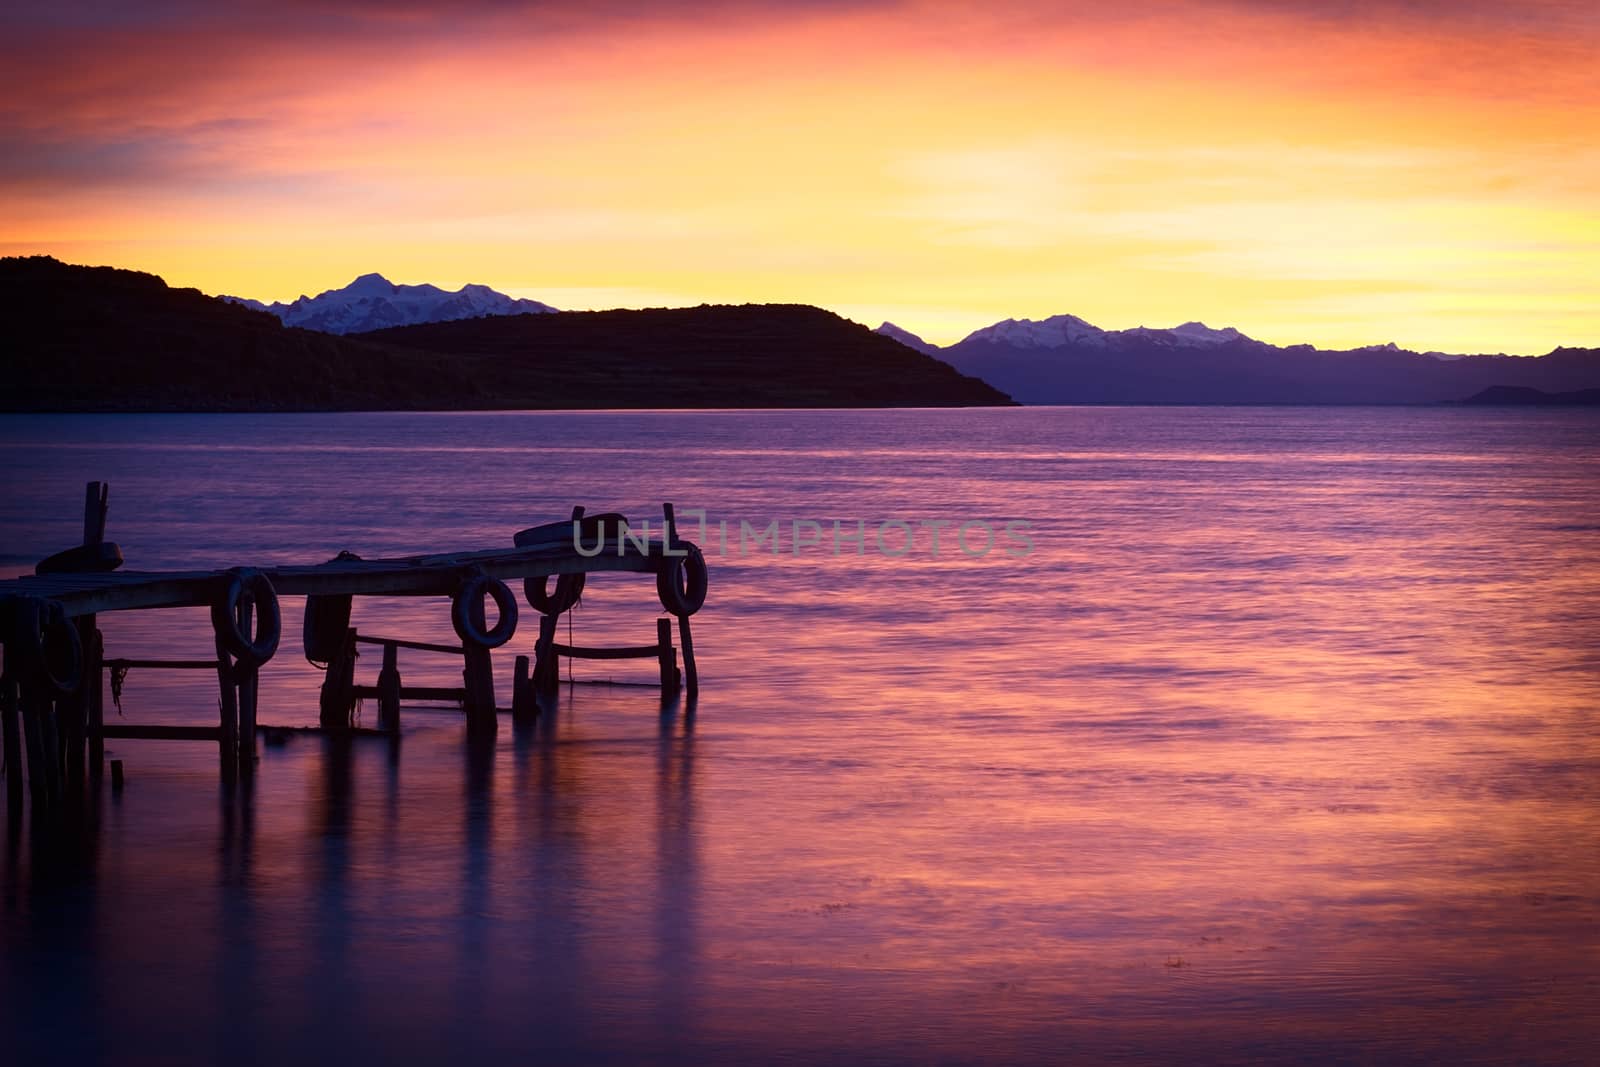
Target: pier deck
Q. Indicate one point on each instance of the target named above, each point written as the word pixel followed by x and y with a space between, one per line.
pixel 429 575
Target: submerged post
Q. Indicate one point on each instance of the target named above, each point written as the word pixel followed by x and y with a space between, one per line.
pixel 478 675
pixel 389 689
pixel 691 676
pixel 246 676
pixel 667 656
pixel 12 730
pixel 524 706
pixel 227 713
pixel 93 676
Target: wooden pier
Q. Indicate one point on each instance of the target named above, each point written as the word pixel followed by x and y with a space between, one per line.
pixel 52 688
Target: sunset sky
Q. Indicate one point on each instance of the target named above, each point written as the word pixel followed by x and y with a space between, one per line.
pixel 1425 172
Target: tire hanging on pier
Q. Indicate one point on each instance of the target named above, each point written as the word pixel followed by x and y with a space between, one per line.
pixel 464 618
pixel 681 583
pixel 246 586
pixel 44 647
pixel 568 591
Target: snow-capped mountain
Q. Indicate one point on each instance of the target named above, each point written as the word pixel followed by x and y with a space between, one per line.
pixel 372 302
pixel 907 338
pixel 1053 332
pixel 1060 331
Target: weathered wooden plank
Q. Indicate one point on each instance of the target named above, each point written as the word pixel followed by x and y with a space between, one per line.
pixel 433 575
pixel 156 732
pixel 619 652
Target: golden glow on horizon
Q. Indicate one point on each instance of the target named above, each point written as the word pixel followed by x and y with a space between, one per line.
pixel 1426 181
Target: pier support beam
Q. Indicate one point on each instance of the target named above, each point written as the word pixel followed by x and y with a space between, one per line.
pixel 524 702
pixel 94 657
pixel 667 656
pixel 546 664
pixel 691 676
pixel 478 676
pixel 228 715
pixel 389 690
pixel 11 727
pixel 246 676
pixel 338 695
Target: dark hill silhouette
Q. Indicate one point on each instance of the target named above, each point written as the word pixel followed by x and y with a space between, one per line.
pixel 103 339
pixel 749 355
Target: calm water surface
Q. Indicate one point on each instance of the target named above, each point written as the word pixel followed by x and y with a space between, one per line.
pixel 1281 745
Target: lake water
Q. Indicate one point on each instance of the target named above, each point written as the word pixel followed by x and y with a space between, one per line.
pixel 1281 744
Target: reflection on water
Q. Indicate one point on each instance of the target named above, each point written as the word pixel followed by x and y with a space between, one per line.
pixel 1282 746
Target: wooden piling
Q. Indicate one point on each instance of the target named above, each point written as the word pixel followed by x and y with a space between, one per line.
pixel 33 745
pixel 524 705
pixel 667 656
pixel 691 676
pixel 12 730
pixel 478 676
pixel 338 697
pixel 546 663
pixel 50 740
pixel 228 714
pixel 74 710
pixel 246 678
pixel 389 689
pixel 94 655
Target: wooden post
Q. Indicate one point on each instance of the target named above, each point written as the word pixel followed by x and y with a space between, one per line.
pixel 524 706
pixel 12 729
pixel 228 712
pixel 337 699
pixel 33 742
pixel 546 664
pixel 94 678
pixel 389 689
pixel 246 677
pixel 667 656
pixel 50 740
pixel 691 677
pixel 95 497
pixel 478 676
pixel 74 710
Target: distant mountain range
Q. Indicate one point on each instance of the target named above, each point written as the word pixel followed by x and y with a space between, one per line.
pixel 103 339
pixel 1065 360
pixel 373 302
pixel 98 338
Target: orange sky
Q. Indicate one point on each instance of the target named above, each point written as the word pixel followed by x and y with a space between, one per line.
pixel 1419 171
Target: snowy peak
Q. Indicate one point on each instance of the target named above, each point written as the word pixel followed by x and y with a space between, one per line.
pixel 372 302
pixel 1059 331
pixel 1198 333
pixel 907 338
pixel 1054 332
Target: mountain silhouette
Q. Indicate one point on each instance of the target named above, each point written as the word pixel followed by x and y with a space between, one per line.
pixel 1065 360
pixel 103 339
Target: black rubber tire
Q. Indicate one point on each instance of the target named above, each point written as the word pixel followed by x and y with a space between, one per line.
pixel 681 583
pixel 472 591
pixel 269 621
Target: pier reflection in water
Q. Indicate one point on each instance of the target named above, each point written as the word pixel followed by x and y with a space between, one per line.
pixel 439 893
